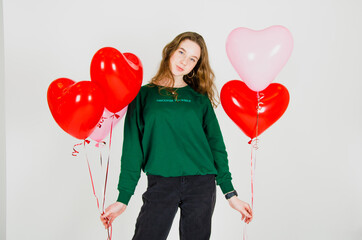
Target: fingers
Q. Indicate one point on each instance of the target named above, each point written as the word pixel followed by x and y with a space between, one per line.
pixel 111 213
pixel 242 207
pixel 249 210
pixel 111 221
pixel 245 218
pixel 106 220
pixel 247 214
pixel 106 213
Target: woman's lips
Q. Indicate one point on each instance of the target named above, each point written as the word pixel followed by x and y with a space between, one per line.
pixel 179 69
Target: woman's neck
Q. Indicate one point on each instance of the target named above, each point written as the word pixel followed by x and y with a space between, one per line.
pixel 178 83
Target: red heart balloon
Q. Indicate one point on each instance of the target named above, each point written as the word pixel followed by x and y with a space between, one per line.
pixel 241 104
pixel 76 107
pixel 119 75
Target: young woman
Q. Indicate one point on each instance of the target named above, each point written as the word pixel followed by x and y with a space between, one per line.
pixel 172 134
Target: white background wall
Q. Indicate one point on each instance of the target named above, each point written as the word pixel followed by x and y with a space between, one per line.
pixel 308 176
pixel 2 133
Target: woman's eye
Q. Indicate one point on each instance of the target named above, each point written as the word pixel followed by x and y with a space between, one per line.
pixel 193 59
pixel 181 52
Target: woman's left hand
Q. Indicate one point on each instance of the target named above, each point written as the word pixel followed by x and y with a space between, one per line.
pixel 242 207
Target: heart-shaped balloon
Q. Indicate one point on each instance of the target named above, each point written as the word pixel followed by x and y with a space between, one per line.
pixel 258 56
pixel 119 75
pixel 75 106
pixel 241 105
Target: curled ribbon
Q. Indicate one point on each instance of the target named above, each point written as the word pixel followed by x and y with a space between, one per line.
pixel 75 151
pixel 99 124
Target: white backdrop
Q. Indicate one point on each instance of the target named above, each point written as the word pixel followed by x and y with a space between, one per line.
pixel 2 133
pixel 308 175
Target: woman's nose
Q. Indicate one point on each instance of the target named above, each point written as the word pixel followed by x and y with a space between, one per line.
pixel 184 61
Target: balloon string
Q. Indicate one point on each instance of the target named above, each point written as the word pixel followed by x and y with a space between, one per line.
pixel 109 237
pixel 254 147
pixel 106 178
pixel 99 145
pixel 91 178
pixel 75 153
pixel 100 157
pixel 109 229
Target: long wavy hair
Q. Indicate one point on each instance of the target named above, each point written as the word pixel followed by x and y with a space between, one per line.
pixel 201 78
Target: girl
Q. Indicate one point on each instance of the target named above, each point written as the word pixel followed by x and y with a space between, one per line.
pixel 172 134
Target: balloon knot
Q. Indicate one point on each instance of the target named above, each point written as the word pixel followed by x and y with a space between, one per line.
pixel 100 144
pixel 254 143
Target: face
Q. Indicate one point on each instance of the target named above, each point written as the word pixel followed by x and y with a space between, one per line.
pixel 184 59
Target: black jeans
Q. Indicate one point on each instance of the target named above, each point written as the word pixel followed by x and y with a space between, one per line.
pixel 194 195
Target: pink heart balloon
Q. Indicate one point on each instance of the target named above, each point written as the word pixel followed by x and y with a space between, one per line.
pixel 258 56
pixel 104 125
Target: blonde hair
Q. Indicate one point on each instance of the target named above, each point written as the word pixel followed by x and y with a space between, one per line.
pixel 201 78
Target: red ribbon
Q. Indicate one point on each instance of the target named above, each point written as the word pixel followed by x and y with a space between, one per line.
pixel 110 145
pixel 99 124
pixel 75 151
pixel 109 229
pixel 254 146
pixel 91 177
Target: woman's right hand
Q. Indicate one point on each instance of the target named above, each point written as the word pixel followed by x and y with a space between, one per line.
pixel 112 211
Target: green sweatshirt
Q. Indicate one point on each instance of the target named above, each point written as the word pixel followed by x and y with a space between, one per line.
pixel 171 138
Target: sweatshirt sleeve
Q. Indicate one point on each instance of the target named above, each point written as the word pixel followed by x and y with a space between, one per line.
pixel 132 154
pixel 217 146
